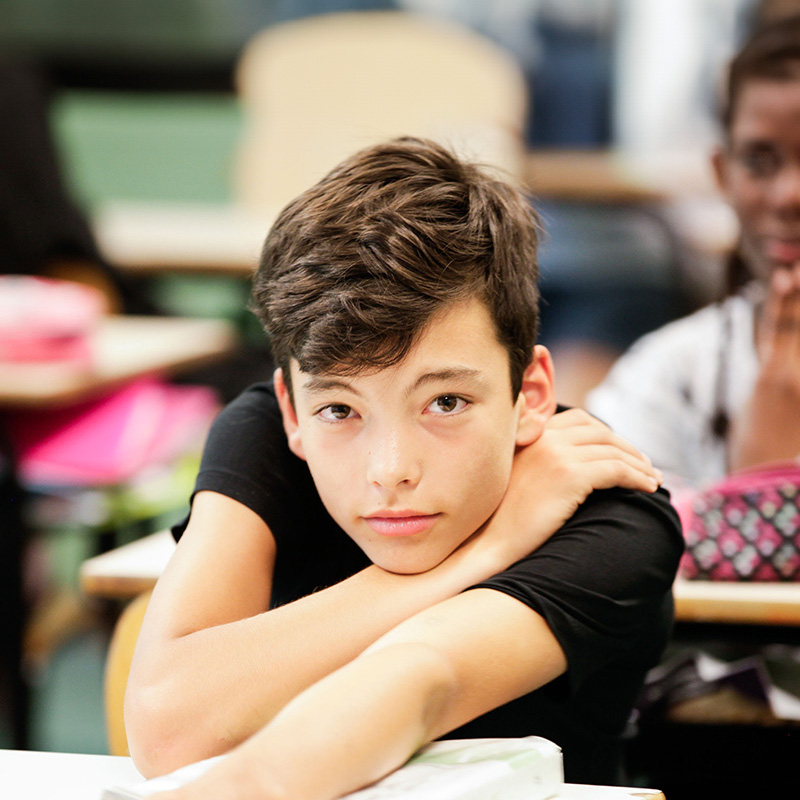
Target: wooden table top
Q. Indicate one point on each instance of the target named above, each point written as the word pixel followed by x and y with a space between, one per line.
pixel 152 238
pixel 134 568
pixel 123 347
pixel 611 175
pixel 39 775
pixel 737 602
pixel 156 237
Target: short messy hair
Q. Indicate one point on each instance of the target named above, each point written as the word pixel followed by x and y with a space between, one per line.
pixel 355 267
pixel 772 52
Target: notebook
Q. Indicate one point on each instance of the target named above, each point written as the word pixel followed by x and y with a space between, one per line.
pixel 527 768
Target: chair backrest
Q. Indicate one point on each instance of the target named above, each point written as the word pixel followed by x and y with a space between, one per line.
pixel 118 665
pixel 316 90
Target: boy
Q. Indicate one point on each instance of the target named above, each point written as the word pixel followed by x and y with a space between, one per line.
pixel 386 498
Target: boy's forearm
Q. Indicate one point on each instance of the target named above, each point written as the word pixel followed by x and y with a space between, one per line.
pixel 205 692
pixel 347 731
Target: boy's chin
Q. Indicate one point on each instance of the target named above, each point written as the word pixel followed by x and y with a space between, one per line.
pixel 406 563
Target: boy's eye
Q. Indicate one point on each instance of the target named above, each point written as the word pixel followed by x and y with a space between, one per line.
pixel 336 412
pixel 447 404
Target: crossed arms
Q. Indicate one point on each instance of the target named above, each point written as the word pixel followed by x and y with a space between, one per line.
pixel 360 674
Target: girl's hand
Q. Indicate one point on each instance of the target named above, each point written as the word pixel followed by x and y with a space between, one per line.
pixel 769 427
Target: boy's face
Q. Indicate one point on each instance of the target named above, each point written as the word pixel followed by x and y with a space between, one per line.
pixel 413 459
pixel 759 172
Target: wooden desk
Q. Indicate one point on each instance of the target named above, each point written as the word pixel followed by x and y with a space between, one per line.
pixel 618 176
pixel 182 238
pixel 123 348
pixel 29 775
pixel 226 239
pixel 737 603
pixel 134 568
pixel 129 570
pixel 681 184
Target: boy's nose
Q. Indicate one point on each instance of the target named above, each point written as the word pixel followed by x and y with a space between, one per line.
pixel 392 461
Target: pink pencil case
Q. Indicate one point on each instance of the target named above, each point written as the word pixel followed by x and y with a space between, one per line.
pixel 745 527
pixel 44 320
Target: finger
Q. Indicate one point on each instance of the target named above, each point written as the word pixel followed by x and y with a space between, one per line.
pixel 787 326
pixel 612 473
pixel 770 320
pixel 588 435
pixel 610 452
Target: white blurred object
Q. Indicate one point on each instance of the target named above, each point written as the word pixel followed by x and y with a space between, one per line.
pixel 670 59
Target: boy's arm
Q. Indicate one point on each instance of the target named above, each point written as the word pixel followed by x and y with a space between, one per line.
pixel 212 667
pixel 431 674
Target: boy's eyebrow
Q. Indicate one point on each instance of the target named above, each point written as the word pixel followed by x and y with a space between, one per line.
pixel 447 374
pixel 319 383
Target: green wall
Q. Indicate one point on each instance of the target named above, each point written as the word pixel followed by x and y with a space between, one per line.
pixel 166 147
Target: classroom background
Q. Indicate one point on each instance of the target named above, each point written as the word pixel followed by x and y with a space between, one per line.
pixel 127 131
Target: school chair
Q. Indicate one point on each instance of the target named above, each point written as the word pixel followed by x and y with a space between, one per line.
pixel 118 666
pixel 316 90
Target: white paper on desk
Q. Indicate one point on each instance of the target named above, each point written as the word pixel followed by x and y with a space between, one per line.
pixel 527 768
pixel 783 704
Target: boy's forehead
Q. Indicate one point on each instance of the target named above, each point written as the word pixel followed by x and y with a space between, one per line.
pixel 459 343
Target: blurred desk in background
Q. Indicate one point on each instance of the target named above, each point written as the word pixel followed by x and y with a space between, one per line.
pixel 737 602
pixel 617 175
pixel 145 237
pixel 124 347
pixel 682 184
pixel 134 568
pixel 158 237
pixel 129 570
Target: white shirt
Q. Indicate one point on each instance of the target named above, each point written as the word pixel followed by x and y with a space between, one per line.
pixel 665 392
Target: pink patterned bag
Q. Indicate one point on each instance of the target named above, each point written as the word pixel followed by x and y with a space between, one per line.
pixel 746 527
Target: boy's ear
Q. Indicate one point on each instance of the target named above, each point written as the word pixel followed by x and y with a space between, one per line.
pixel 289 415
pixel 537 397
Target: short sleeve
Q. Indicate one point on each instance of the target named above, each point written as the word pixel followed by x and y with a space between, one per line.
pixel 603 582
pixel 247 458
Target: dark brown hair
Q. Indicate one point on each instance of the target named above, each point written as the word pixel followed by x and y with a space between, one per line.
pixel 772 52
pixel 355 267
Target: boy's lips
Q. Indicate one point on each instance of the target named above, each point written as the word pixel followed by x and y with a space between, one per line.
pixel 400 523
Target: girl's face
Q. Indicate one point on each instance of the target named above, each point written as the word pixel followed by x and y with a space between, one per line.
pixel 759 173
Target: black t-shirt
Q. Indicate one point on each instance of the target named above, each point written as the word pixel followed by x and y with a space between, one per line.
pixel 603 583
